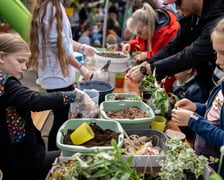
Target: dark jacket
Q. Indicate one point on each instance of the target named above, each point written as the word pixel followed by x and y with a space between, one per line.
pixel 192 90
pixel 194 34
pixel 22 148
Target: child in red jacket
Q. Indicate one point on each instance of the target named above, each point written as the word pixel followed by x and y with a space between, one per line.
pixel 154 29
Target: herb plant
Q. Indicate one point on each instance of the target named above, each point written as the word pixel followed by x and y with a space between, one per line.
pixel 101 165
pixel 180 158
pixel 217 176
pixel 159 97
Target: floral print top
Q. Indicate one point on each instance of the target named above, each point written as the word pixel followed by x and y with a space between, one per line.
pixel 15 122
pixel 22 149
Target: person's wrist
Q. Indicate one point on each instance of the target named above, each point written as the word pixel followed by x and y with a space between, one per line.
pixel 193 116
pixel 80 66
pixel 148 67
pixel 143 69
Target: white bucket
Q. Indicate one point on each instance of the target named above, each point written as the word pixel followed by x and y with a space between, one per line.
pixel 112 74
pixel 117 64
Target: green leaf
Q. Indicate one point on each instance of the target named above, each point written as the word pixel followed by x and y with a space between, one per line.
pixel 215 177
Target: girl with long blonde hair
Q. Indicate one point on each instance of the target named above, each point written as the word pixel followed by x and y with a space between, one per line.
pixel 52 48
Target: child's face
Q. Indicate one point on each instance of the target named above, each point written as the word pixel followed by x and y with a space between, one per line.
pixel 14 64
pixel 141 30
pixel 218 46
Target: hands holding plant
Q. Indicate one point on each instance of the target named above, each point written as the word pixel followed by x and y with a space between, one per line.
pixel 134 74
pixel 181 114
pixel 140 57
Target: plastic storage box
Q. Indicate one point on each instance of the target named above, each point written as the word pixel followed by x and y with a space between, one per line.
pixel 138 123
pixel 123 96
pixel 69 150
pixel 147 160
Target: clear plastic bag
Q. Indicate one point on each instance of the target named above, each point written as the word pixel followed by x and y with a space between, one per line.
pixel 78 111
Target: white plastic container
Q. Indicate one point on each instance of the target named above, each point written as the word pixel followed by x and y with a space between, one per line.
pixel 112 74
pixel 118 65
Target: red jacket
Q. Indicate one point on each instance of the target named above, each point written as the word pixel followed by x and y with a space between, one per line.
pixel 165 32
pixel 162 36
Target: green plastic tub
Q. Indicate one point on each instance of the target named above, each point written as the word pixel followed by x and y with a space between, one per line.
pixel 69 150
pixel 122 96
pixel 138 123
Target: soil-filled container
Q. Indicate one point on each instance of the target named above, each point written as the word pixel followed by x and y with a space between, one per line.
pixel 119 63
pixel 135 123
pixel 122 96
pixel 119 60
pixel 102 87
pixel 69 150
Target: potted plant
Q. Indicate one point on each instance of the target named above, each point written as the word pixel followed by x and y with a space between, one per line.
pixel 99 165
pixel 156 96
pixel 216 176
pixel 179 160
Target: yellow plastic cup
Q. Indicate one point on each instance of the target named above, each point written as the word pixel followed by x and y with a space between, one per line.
pixel 82 134
pixel 159 123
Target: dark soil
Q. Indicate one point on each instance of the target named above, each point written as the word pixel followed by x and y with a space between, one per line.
pixel 111 54
pixel 102 137
pixel 120 98
pixel 129 113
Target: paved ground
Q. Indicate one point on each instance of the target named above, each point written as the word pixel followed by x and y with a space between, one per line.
pixel 29 80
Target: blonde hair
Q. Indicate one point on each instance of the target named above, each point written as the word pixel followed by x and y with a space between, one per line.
pixel 146 15
pixel 218 29
pixel 10 43
pixel 41 6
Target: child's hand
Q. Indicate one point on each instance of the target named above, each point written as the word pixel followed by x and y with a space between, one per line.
pixel 181 116
pixel 84 104
pixel 186 104
pixel 126 48
pixel 82 98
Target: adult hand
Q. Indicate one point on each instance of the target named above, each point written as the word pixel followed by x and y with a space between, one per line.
pixel 140 57
pixel 85 73
pixel 181 116
pixel 186 104
pixel 134 74
pixel 126 48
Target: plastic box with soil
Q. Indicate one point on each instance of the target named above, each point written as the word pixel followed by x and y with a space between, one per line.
pixel 132 114
pixel 122 96
pixel 105 129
